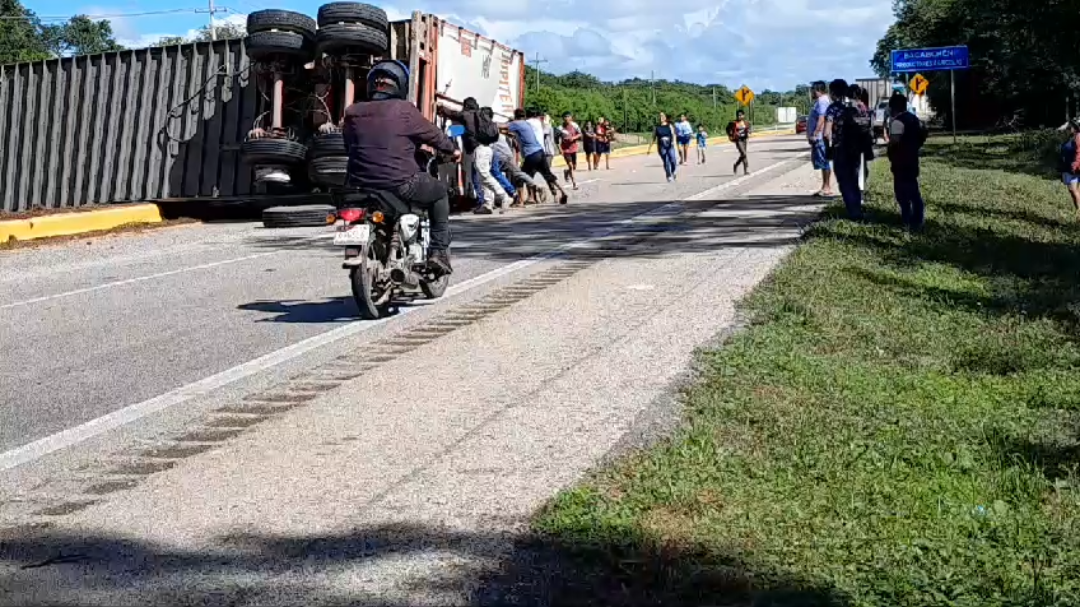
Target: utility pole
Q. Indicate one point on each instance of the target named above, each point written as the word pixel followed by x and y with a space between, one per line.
pixel 714 97
pixel 623 125
pixel 213 30
pixel 536 67
pixel 652 86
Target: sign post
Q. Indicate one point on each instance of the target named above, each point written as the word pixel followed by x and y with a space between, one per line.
pixel 949 58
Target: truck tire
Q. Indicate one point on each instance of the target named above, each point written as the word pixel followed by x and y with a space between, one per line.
pixel 262 46
pixel 273 151
pixel 282 21
pixel 329 170
pixel 352 37
pixel 329 144
pixel 306 215
pixel 353 12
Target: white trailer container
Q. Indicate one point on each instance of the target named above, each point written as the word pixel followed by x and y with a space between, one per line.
pixel 449 63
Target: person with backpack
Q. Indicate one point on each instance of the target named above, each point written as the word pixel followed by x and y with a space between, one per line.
pixel 1069 163
pixel 480 132
pixel 861 98
pixel 738 132
pixel 848 134
pixel 906 137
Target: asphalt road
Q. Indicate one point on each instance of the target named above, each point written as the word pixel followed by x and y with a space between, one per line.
pixel 128 361
pixel 91 327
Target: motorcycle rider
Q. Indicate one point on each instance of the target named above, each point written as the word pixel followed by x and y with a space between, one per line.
pixel 382 137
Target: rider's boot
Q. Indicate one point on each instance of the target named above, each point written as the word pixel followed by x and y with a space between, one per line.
pixel 439 261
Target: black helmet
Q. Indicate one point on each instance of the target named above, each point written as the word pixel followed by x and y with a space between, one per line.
pixel 389 70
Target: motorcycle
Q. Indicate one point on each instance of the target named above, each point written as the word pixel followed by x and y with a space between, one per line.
pixel 386 244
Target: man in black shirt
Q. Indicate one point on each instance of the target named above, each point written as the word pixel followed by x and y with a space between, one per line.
pixel 382 137
pixel 479 153
pixel 906 138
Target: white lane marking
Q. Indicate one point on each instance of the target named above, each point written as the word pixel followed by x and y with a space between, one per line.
pixel 129 281
pixel 72 436
pixel 95 427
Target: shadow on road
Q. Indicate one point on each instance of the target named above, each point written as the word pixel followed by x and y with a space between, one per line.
pixel 61 569
pixel 703 227
pixel 335 309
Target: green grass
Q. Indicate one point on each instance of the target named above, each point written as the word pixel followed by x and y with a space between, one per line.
pixel 900 424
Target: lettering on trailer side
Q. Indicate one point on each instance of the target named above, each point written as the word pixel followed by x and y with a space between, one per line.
pixel 506 93
pixel 485 67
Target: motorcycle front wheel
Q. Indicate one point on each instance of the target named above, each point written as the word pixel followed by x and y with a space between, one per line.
pixel 365 289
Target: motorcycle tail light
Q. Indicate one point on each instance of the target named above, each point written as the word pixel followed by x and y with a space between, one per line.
pixel 351 215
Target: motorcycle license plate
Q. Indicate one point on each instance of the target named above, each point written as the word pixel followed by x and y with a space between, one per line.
pixel 353 235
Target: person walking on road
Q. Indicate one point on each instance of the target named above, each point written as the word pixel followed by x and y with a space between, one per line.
pixel 906 137
pixel 815 134
pixel 569 143
pixel 534 159
pixel 849 135
pixel 550 147
pixel 605 134
pixel 740 136
pixel 683 134
pixel 588 142
pixel 480 133
pixel 702 143
pixel 664 138
pixel 861 97
pixel 1069 163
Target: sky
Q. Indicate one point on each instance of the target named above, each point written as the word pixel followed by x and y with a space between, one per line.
pixel 764 44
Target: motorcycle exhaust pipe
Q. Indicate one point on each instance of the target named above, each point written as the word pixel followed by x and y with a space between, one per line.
pixel 405 278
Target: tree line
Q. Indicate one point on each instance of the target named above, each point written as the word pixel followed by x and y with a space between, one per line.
pixel 1025 56
pixel 633 105
pixel 25 37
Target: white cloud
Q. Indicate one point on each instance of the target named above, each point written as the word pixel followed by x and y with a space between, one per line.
pixel 763 43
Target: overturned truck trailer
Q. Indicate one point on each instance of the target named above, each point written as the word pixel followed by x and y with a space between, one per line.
pixel 465 64
pixel 171 123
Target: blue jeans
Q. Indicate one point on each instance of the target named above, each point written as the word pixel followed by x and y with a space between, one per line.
pixel 847 178
pixel 497 173
pixel 671 160
pixel 908 196
pixel 819 157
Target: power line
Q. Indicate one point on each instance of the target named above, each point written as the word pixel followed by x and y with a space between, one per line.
pixel 117 15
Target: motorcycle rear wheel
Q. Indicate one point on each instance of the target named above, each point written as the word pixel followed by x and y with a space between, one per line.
pixel 364 288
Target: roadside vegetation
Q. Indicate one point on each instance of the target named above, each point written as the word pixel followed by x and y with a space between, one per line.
pixel 899 424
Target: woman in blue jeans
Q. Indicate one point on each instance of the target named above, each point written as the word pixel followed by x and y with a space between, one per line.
pixel 664 138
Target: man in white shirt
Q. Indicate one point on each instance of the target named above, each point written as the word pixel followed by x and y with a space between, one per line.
pixel 815 134
pixel 683 134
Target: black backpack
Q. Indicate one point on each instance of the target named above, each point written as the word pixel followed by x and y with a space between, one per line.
pixel 486 131
pixel 858 132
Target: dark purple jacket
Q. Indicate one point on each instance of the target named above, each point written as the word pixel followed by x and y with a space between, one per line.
pixel 382 137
